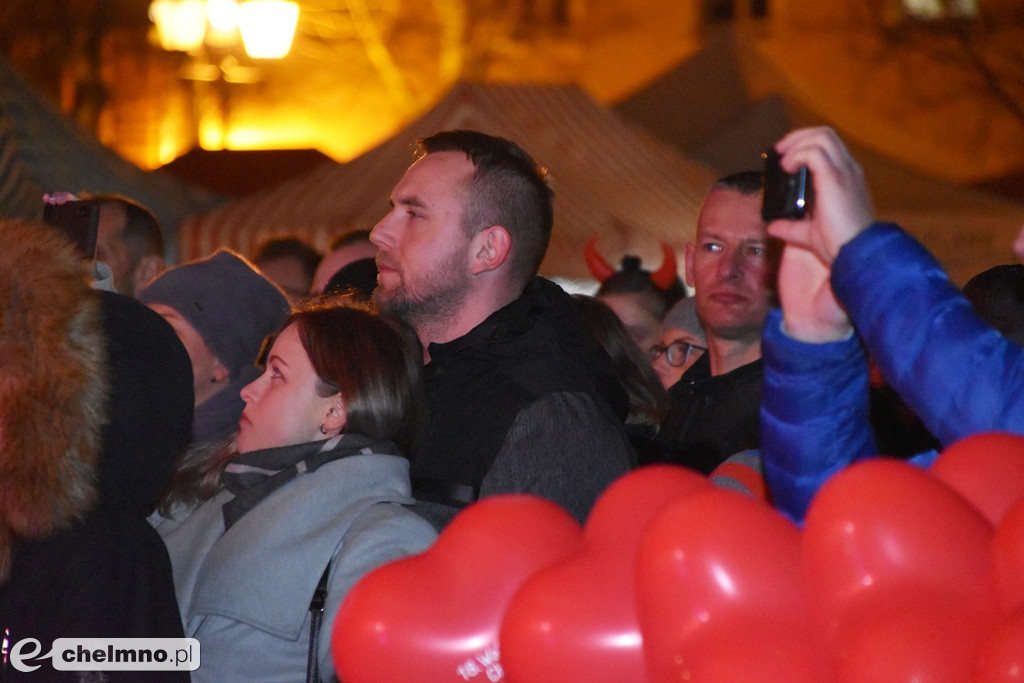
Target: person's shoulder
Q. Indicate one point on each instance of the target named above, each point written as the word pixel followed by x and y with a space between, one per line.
pixel 383 532
pixel 396 521
pixel 561 425
pixel 166 521
pixel 107 548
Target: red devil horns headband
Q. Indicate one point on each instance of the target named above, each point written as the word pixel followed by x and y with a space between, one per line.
pixel 663 277
pixel 599 268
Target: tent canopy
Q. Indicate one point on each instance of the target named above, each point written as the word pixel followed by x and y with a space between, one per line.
pixel 610 180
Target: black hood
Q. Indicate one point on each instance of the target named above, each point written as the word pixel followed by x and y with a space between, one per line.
pixel 151 403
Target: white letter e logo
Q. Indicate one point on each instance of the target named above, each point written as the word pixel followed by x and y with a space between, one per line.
pixel 16 656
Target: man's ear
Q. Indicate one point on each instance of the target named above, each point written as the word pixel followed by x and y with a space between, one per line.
pixel 688 249
pixel 489 249
pixel 149 267
pixel 336 417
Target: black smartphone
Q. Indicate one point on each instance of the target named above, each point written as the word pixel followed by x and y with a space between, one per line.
pixel 785 195
pixel 78 220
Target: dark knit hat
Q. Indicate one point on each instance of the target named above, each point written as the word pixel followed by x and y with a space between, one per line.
pixel 227 300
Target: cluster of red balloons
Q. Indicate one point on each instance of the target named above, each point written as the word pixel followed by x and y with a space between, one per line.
pixel 899 574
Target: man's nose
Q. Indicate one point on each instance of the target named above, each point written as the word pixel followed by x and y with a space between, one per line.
pixel 731 264
pixel 380 235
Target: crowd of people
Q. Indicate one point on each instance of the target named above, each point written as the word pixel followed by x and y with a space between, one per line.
pixel 222 448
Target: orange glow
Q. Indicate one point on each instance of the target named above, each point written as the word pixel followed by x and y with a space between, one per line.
pixel 283 131
pixel 351 80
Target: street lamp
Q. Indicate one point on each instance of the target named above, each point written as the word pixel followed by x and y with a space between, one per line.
pixel 211 32
pixel 266 27
pixel 180 24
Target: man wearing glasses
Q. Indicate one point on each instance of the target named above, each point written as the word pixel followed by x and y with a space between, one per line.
pixel 713 407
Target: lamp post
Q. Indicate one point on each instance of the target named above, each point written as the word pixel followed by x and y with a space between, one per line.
pixel 211 32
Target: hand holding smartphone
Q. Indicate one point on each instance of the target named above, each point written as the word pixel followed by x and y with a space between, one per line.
pixel 785 195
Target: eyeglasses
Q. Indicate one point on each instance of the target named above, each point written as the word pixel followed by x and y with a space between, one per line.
pixel 677 353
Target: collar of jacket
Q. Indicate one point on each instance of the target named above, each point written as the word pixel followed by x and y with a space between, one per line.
pixel 539 299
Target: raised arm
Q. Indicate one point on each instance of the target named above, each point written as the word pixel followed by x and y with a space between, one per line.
pixel 843 271
pixel 814 409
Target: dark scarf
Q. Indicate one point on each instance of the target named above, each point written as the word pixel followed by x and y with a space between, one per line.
pixel 254 476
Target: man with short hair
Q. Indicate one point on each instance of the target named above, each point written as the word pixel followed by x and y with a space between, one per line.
pixel 520 398
pixel 713 411
pixel 128 241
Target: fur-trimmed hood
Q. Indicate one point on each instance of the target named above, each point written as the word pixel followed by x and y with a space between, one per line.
pixel 53 384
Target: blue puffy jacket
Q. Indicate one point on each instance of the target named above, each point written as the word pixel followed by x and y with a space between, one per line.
pixel 958 374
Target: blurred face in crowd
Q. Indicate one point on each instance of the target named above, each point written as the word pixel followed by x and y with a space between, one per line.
pixel 208 373
pixel 282 406
pixel 289 274
pixel 729 266
pixel 423 256
pixel 112 250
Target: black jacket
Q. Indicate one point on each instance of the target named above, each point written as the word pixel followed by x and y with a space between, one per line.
pixel 108 576
pixel 525 402
pixel 92 425
pixel 712 417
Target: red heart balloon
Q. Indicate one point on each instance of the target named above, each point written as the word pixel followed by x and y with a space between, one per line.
pixel 712 562
pixel 986 469
pixel 884 526
pixel 908 635
pixel 436 616
pixel 1008 559
pixel 749 650
pixel 623 511
pixel 577 620
pixel 1001 657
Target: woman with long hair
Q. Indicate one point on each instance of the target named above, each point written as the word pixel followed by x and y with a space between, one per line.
pixel 308 497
